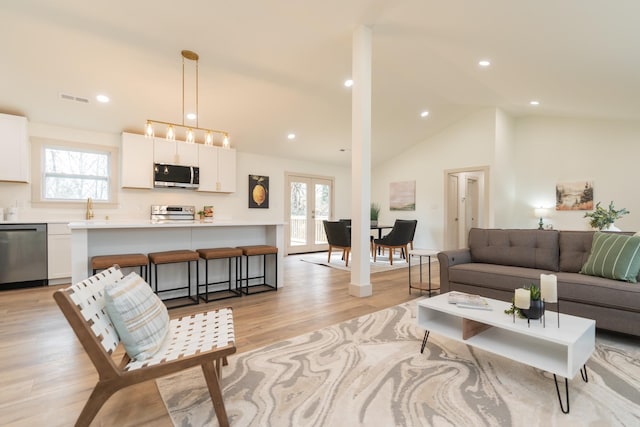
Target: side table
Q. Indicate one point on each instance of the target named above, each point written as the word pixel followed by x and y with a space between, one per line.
pixel 420 253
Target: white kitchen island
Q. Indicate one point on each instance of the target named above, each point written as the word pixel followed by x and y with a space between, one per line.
pixel 91 238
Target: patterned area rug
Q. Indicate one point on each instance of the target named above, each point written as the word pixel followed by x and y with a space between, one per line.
pixel 369 372
pixel 382 263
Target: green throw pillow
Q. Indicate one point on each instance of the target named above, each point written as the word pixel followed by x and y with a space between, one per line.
pixel 614 256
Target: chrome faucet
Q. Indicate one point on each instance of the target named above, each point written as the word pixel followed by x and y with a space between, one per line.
pixel 89 208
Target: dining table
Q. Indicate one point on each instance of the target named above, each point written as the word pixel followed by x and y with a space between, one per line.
pixel 376 227
pixel 380 228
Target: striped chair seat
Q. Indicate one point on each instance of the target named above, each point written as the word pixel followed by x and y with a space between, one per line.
pixel 192 334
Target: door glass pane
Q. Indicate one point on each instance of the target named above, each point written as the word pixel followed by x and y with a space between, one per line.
pixel 298 214
pixel 322 209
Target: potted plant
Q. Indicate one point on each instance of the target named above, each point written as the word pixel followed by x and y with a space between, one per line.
pixel 603 219
pixel 536 307
pixel 375 211
pixel 200 215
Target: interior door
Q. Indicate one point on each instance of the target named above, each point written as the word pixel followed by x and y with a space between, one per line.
pixel 310 202
pixel 472 208
pixel 452 212
pixel 467 204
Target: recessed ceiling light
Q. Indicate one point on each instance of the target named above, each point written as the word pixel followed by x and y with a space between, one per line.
pixel 191 116
pixel 102 98
pixel 484 63
pixel 348 83
pixel 424 114
pixel 534 102
pixel 291 136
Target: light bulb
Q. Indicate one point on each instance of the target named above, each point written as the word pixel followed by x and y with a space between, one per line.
pixel 225 142
pixel 209 138
pixel 190 138
pixel 171 136
pixel 149 132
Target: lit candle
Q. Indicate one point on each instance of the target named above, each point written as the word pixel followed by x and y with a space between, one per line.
pixel 523 298
pixel 549 287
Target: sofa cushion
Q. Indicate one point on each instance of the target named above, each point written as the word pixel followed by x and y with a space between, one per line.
pixel 493 276
pixel 575 247
pixel 598 291
pixel 614 256
pixel 519 248
pixel 578 288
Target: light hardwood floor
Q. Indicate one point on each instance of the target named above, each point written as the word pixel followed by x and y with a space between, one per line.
pixel 46 377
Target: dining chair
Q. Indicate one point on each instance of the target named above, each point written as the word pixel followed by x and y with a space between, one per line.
pixel 399 237
pixel 338 237
pixel 404 255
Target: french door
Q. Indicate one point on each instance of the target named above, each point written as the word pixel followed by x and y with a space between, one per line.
pixel 310 202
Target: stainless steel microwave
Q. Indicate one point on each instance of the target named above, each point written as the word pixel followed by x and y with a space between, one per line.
pixel 165 175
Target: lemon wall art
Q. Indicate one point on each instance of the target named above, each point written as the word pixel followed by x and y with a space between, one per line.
pixel 258 191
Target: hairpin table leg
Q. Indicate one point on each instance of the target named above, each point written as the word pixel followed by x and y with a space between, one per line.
pixel 584 375
pixel 566 386
pixel 585 378
pixel 424 341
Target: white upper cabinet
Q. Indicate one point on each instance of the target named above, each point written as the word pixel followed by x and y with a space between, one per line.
pixel 227 170
pixel 217 165
pixel 136 161
pixel 175 152
pixel 14 145
pixel 217 169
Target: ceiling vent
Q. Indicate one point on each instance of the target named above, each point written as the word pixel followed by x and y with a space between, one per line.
pixel 74 98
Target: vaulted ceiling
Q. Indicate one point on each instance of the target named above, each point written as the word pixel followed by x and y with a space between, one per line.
pixel 270 68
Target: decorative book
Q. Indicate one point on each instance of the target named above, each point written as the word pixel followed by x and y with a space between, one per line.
pixel 463 300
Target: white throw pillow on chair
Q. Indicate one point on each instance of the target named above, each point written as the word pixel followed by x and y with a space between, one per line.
pixel 138 315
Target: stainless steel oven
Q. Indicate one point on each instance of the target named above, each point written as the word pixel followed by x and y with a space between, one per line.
pixel 23 255
pixel 172 213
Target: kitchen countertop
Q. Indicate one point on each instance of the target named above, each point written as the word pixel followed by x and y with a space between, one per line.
pixel 111 224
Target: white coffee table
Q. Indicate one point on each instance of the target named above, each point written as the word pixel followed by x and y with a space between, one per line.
pixel 561 351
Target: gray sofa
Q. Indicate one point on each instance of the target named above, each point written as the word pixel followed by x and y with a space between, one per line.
pixel 499 261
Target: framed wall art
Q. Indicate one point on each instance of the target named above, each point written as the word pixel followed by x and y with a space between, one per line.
pixel 258 192
pixel 574 196
pixel 402 196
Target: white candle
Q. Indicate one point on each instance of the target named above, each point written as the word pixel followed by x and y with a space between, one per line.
pixel 523 298
pixel 549 287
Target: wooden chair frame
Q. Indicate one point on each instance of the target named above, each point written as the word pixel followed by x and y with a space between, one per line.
pixel 113 377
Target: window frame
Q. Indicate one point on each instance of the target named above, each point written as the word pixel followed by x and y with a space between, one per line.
pixel 38 146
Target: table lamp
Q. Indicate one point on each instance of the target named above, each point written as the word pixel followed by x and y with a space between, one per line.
pixel 540 213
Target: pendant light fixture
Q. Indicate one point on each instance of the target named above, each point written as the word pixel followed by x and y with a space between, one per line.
pixel 190 134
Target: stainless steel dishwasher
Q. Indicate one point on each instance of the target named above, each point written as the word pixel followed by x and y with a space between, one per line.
pixel 23 255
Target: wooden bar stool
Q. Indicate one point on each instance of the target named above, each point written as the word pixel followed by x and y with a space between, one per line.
pixel 103 262
pixel 175 257
pixel 214 254
pixel 254 288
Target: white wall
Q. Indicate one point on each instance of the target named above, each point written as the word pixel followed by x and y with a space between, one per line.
pixel 135 203
pixel 544 151
pixel 468 143
pixel 527 157
pixel 552 150
pixel 503 173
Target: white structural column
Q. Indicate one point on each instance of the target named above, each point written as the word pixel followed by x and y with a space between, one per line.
pixel 360 285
